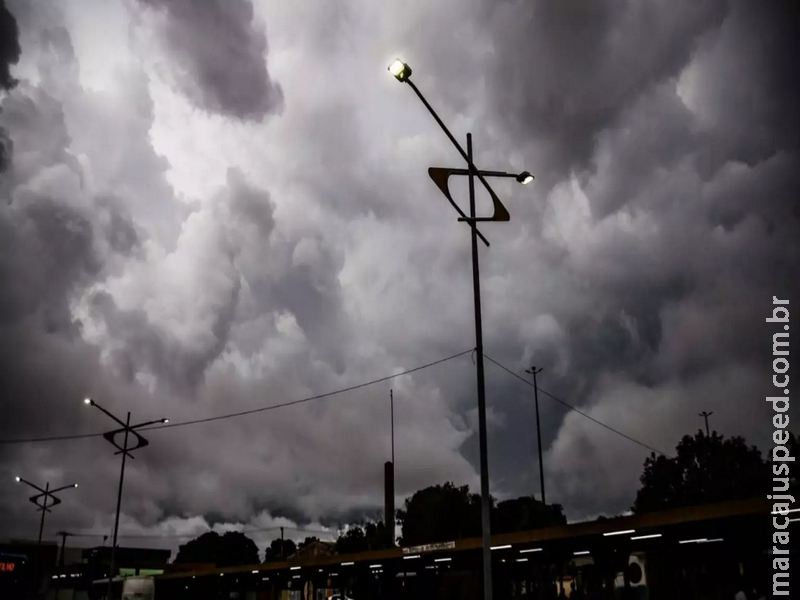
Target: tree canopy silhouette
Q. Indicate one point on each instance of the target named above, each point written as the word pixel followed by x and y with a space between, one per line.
pixel 440 513
pixel 273 551
pixel 309 540
pixel 361 538
pixel 444 513
pixel 228 550
pixel 521 514
pixel 705 469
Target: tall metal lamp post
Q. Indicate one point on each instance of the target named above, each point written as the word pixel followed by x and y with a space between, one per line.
pixel 127 429
pixel 440 176
pixel 44 495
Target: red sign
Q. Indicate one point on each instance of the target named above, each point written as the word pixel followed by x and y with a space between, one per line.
pixel 7 567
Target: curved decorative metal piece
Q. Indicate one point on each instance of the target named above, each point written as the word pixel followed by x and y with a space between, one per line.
pixel 140 441
pixel 441 177
pixel 44 505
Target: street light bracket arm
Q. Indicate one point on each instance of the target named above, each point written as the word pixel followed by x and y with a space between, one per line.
pixel 65 487
pixel 96 405
pixel 470 164
pixel 33 485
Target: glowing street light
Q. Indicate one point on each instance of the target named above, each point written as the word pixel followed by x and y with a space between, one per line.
pixel 400 70
pixel 45 495
pixel 440 176
pixel 125 450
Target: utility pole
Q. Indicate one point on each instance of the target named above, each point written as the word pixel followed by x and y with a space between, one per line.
pixel 391 402
pixel 63 535
pixel 283 554
pixel 705 416
pixel 533 371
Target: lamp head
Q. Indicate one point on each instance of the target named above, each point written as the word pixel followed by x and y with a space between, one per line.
pixel 17 479
pixel 76 485
pixel 524 178
pixel 400 70
pixel 165 420
pixel 88 401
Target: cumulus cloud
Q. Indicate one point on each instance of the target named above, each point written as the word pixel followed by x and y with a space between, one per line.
pixel 189 263
pixel 220 56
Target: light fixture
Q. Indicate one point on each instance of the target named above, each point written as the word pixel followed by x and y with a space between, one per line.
pixel 255 571
pixel 696 541
pixel 347 564
pixel 375 566
pixel 294 568
pixel 530 550
pixel 410 557
pixel 621 532
pixel 442 559
pixel 76 485
pixel 88 401
pixel 646 537
pixel 525 178
pixel 400 70
pixel 505 547
pixel 165 420
pixel 582 553
pixel 522 560
pixel 17 479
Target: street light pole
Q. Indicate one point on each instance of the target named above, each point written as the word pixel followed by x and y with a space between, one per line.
pixel 705 416
pixel 486 509
pixel 127 429
pixel 440 176
pixel 533 371
pixel 119 502
pixel 45 495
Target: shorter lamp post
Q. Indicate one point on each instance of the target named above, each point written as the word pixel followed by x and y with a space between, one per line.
pixel 125 450
pixel 44 495
pixel 48 501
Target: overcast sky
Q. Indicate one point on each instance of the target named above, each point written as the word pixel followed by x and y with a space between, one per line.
pixel 213 206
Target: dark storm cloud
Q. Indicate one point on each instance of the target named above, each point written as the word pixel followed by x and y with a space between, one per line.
pixel 9 55
pixel 690 184
pixel 223 54
pixel 9 46
pixel 640 284
pixel 562 72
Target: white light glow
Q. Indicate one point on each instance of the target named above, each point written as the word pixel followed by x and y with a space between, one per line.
pixel 646 537
pixel 621 532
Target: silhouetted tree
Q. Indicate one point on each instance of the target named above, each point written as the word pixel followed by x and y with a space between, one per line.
pixel 273 551
pixel 705 469
pixel 440 513
pixel 231 549
pixel 525 513
pixel 307 541
pixel 361 538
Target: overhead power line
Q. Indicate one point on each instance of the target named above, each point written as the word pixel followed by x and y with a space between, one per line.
pixel 246 412
pixel 573 408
